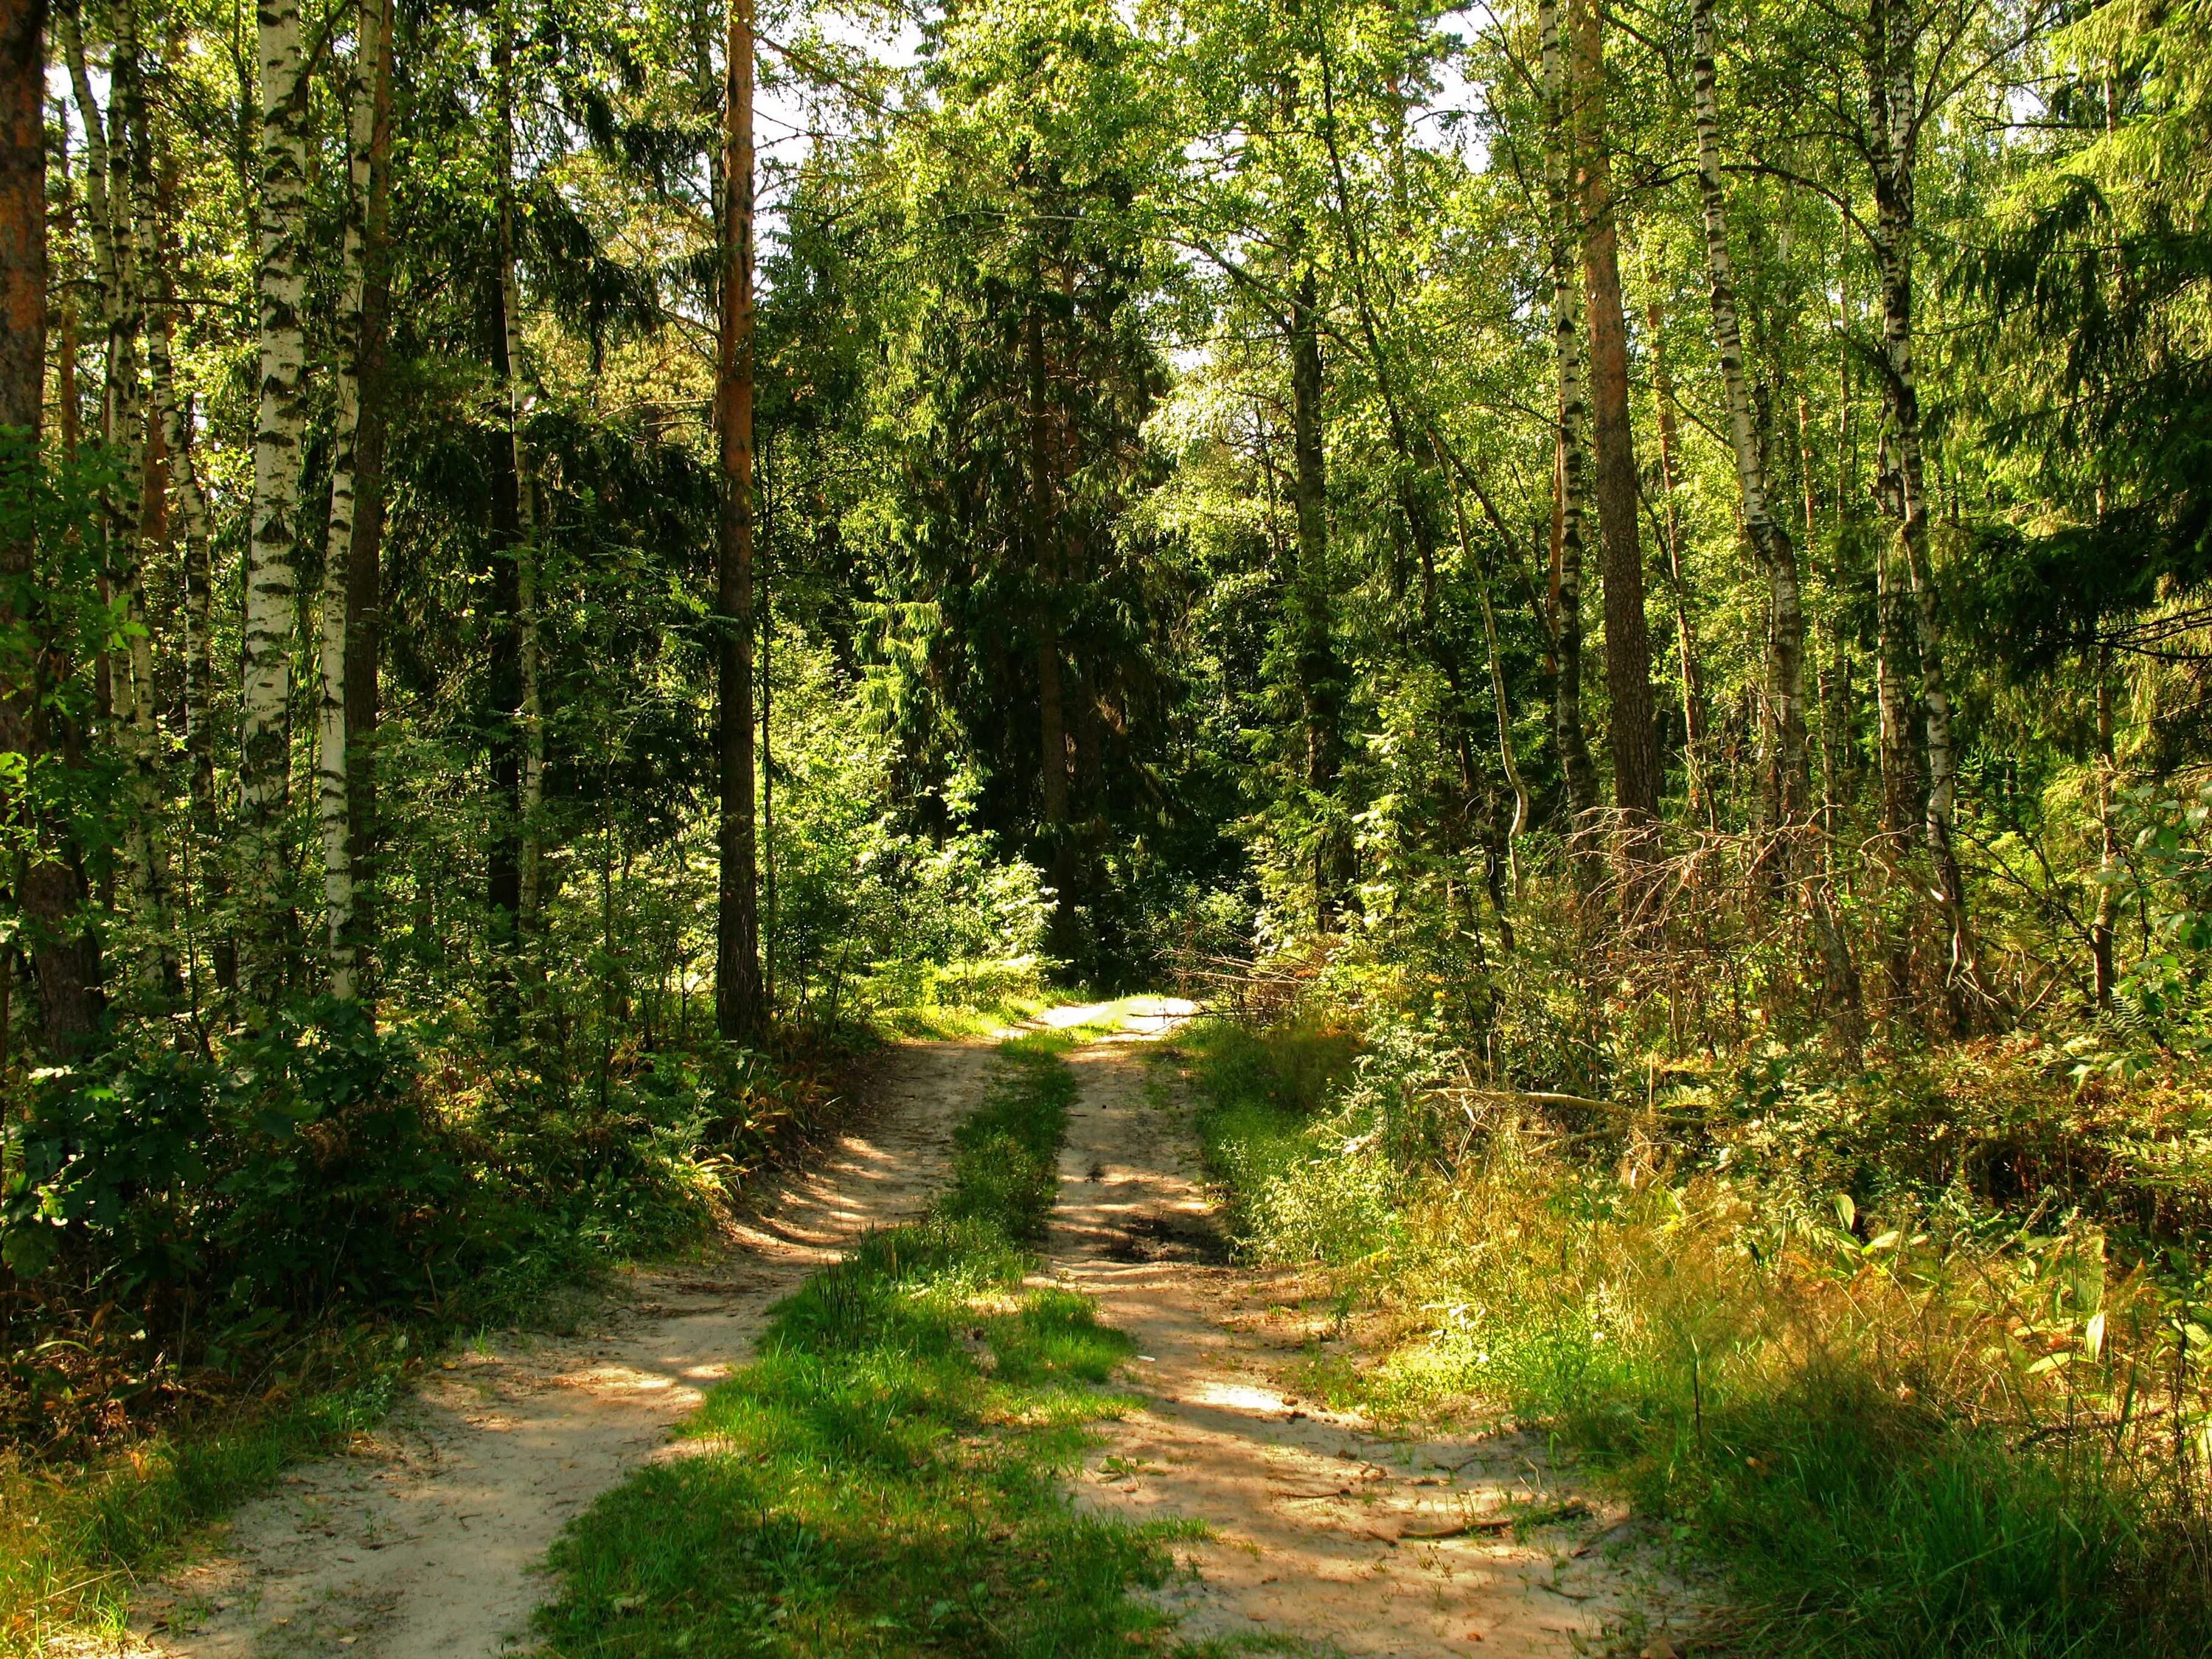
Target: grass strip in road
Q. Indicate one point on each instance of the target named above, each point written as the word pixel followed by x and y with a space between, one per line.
pixel 887 1478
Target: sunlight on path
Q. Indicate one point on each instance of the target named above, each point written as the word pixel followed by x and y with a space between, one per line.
pixel 424 1543
pixel 1147 1016
pixel 1323 1530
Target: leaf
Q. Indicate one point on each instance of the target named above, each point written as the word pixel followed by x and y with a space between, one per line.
pixel 28 1251
pixel 1846 1212
pixel 2093 1335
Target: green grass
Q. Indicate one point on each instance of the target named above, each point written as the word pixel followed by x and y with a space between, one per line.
pixel 1759 1411
pixel 74 1538
pixel 888 1477
pixel 947 1022
pixel 78 1535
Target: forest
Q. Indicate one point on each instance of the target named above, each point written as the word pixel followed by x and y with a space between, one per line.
pixel 1616 590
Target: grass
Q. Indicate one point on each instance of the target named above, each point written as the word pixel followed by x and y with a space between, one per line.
pixel 79 1533
pixel 74 1538
pixel 1860 1428
pixel 77 1536
pixel 949 1021
pixel 888 1477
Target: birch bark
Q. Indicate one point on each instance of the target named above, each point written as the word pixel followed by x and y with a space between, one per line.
pixel 333 805
pixel 1893 124
pixel 280 284
pixel 1769 539
pixel 145 845
pixel 119 193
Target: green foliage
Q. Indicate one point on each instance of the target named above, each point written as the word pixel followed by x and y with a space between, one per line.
pixel 885 1478
pixel 1904 1428
pixel 1293 1191
pixel 304 1171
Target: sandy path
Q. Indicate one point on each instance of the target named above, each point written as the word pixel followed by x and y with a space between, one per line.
pixel 1323 1531
pixel 421 1544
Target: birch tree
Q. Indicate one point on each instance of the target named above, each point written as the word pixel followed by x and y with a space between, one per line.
pixel 280 288
pixel 332 772
pixel 1769 539
pixel 1897 108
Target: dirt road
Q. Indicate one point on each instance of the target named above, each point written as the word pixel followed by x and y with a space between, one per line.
pixel 1325 1533
pixel 423 1544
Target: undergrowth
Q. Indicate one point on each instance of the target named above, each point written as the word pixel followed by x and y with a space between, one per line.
pixel 1932 1427
pixel 886 1477
pixel 216 1269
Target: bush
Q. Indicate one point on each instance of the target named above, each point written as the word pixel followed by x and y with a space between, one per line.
pixel 303 1171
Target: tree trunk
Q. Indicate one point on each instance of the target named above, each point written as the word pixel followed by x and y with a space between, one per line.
pixel 1319 693
pixel 265 735
pixel 176 429
pixel 1499 704
pixel 1568 537
pixel 1052 722
pixel 1694 737
pixel 1895 113
pixel 1786 665
pixel 333 777
pixel 738 1001
pixel 529 893
pixel 364 560
pixel 1627 635
pixel 64 950
pixel 130 200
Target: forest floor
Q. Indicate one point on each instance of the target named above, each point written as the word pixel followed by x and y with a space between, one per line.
pixel 1322 1532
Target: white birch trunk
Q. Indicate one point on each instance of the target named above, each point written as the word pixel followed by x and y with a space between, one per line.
pixel 332 801
pixel 137 255
pixel 1786 604
pixel 118 193
pixel 1892 106
pixel 265 736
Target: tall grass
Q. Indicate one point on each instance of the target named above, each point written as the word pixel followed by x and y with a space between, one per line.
pixel 1928 1431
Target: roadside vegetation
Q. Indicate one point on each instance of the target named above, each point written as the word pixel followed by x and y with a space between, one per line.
pixel 247 1263
pixel 1895 1350
pixel 887 1478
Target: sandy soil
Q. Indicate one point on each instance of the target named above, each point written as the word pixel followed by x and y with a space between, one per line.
pixel 421 1545
pixel 1323 1531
